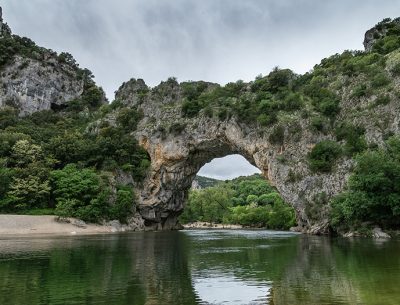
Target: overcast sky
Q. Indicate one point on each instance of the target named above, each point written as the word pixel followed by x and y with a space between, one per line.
pixel 213 40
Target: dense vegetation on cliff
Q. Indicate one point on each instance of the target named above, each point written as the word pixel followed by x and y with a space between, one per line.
pixel 65 160
pixel 248 201
pixel 52 160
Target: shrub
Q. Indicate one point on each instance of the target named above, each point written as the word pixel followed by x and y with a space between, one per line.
pixel 396 69
pixel 354 137
pixel 191 108
pixel 382 100
pixel 277 135
pixel 317 123
pixel 93 96
pixel 267 119
pixel 128 119
pixel 293 101
pixel 123 205
pixel 323 155
pixel 329 106
pixel 380 80
pixel 359 91
pixel 177 128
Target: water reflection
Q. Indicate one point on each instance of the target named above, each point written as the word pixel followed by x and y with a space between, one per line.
pixel 228 289
pixel 199 267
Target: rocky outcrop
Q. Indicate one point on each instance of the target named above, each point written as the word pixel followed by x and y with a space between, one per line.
pixel 1 22
pixel 34 85
pixel 35 79
pixel 377 32
pixel 378 233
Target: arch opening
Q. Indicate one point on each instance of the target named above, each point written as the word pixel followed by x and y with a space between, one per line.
pixel 230 191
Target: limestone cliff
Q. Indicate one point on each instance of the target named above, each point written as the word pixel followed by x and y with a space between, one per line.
pixel 34 78
pixel 377 32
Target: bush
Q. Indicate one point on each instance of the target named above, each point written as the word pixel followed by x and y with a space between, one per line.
pixel 396 69
pixel 277 135
pixel 382 100
pixel 317 123
pixel 123 205
pixel 380 80
pixel 191 108
pixel 329 106
pixel 323 156
pixel 359 91
pixel 354 137
pixel 267 119
pixel 93 97
pixel 293 101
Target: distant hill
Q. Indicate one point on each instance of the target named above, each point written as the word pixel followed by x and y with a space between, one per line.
pixel 201 182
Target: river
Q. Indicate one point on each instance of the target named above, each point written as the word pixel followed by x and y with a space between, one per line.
pixel 199 267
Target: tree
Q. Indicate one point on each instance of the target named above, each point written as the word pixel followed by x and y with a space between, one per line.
pixel 29 187
pixel 28 192
pixel 79 193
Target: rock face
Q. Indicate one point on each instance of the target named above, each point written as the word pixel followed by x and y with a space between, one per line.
pixel 34 85
pixel 377 32
pixel 1 21
pixel 4 28
pixel 35 79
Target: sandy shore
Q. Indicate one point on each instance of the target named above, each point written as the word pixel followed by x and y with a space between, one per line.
pixel 27 225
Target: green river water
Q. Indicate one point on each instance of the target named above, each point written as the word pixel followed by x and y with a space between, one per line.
pixel 199 267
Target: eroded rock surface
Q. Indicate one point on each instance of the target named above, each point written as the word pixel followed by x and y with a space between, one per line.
pixel 34 85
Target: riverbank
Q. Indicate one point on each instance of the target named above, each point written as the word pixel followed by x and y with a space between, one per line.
pixel 46 224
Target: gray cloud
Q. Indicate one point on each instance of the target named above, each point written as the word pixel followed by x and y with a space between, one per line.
pixel 213 40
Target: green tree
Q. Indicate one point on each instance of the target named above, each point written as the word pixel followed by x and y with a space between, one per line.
pixel 79 193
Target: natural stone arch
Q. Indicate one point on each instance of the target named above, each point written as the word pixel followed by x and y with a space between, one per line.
pixel 177 160
pixel 179 146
